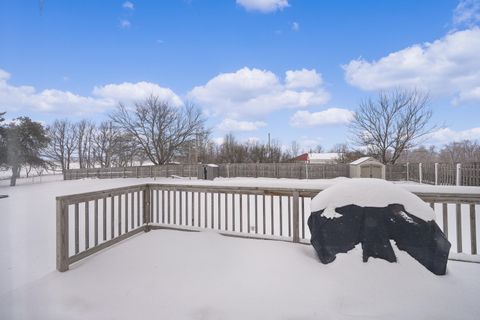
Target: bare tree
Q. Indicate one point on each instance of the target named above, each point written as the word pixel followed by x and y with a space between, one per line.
pixel 232 151
pixel 160 129
pixel 464 151
pixel 105 143
pixel 63 143
pixel 393 122
pixel 85 131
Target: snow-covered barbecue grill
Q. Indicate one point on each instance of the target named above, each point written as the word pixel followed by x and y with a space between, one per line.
pixel 372 212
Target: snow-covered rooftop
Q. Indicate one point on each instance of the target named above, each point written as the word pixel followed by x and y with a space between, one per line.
pixel 361 160
pixel 323 156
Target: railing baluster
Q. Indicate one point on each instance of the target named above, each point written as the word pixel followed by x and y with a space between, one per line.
pixel 77 240
pixel 158 205
pixel 199 224
pixel 119 214
pixel 289 217
pixel 104 227
pixel 219 216
pixel 163 206
pixel 187 221
pixel 167 206
pixel 205 213
pixel 302 210
pixel 212 211
pixel 126 212
pixel 233 211
pixel 280 202
pixel 112 217
pixel 264 222
pixel 248 213
pixel 459 227
pixel 96 221
pixel 241 212
pixel 192 207
pixel 445 219
pixel 295 217
pixel 272 218
pixel 175 206
pixel 180 200
pixel 132 210
pixel 87 225
pixel 473 228
pixel 226 211
pixel 256 213
pixel 138 208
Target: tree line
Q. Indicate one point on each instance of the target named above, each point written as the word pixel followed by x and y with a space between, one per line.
pixel 388 127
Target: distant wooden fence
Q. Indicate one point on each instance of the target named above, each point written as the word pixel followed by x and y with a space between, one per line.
pixel 466 174
pixel 90 222
pixel 265 170
pixel 430 173
pixel 168 170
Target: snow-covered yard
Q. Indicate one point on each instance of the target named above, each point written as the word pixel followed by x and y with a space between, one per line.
pixel 181 275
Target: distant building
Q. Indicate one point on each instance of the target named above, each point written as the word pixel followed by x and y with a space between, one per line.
pixel 367 167
pixel 330 157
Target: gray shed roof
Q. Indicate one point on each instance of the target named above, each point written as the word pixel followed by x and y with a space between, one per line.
pixel 362 160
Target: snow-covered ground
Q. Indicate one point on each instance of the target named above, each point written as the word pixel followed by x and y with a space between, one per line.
pixel 179 275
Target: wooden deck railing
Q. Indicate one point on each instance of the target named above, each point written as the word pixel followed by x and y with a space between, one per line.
pixel 90 222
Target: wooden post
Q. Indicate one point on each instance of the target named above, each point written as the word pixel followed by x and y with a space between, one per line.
pixel 62 236
pixel 459 226
pixel 408 177
pixel 473 229
pixel 436 173
pixel 459 174
pixel 146 208
pixel 306 170
pixel 420 173
pixel 295 218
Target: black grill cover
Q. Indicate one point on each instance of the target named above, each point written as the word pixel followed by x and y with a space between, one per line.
pixel 374 228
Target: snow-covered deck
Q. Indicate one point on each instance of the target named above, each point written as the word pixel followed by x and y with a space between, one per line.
pixel 181 275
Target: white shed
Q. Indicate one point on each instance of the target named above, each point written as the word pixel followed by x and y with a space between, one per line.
pixel 367 167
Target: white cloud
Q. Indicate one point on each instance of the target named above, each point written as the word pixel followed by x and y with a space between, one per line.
pixel 295 26
pixel 264 6
pixel 251 92
pixel 15 98
pixel 446 135
pixel 128 5
pixel 129 92
pixel 232 125
pixel 448 66
pixel 467 13
pixel 326 117
pixel 28 98
pixel 303 78
pixel 125 24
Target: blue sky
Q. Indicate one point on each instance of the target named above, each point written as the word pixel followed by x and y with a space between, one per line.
pixel 294 68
